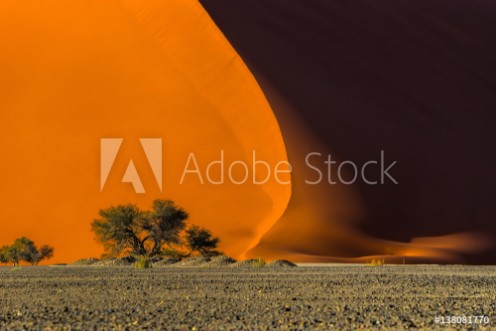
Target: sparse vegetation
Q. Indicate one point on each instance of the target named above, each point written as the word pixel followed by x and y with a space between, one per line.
pixel 127 230
pixel 143 263
pixel 200 240
pixel 24 250
pixel 376 263
pixel 259 263
pixel 173 254
pixel 85 262
pixel 4 254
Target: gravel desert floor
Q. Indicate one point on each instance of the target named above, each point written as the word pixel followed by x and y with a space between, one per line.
pixel 331 297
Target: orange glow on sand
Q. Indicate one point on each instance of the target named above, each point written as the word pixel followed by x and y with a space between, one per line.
pixel 73 73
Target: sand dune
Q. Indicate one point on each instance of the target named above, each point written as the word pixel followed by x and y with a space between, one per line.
pixel 73 73
pixel 353 78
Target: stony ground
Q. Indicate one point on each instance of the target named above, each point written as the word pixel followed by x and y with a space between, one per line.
pixel 313 298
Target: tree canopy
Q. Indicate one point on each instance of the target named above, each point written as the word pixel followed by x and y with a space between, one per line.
pixel 165 223
pixel 24 249
pixel 121 228
pixel 200 240
pixel 125 229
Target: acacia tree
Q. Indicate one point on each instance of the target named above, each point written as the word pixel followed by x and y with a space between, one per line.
pixel 44 253
pixel 127 229
pixel 12 255
pixel 4 254
pixel 165 223
pixel 201 240
pixel 120 229
pixel 24 249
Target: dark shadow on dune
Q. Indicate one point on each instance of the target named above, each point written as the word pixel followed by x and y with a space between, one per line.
pixel 413 78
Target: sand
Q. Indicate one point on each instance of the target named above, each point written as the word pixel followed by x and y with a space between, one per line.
pixel 307 297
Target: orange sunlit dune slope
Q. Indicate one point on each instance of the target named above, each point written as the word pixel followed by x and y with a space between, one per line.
pixel 72 73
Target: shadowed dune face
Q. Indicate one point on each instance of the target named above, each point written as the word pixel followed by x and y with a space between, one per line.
pixel 73 73
pixel 412 78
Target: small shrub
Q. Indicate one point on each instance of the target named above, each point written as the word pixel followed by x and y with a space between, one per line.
pixel 173 254
pixel 143 263
pixel 376 263
pixel 87 261
pixel 212 253
pixel 259 263
pixel 281 264
pixel 201 240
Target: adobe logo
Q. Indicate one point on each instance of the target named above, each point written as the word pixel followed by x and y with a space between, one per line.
pixel 109 148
